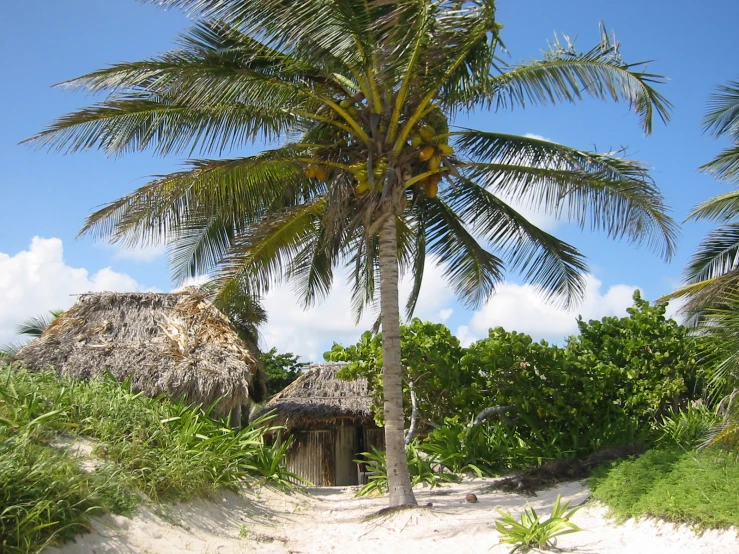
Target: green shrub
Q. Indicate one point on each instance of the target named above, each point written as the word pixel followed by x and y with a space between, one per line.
pixel 697 487
pixel 150 447
pixel 423 470
pixel 608 386
pixel 687 428
pixel 531 532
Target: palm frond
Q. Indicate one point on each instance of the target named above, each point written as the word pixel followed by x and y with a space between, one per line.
pixel 725 166
pixel 259 257
pixel 36 325
pixel 198 244
pixel 419 261
pixel 471 270
pixel 243 188
pixel 566 75
pixel 601 191
pixel 722 207
pixel 556 268
pixel 716 255
pixel 323 30
pixel 363 263
pixel 137 121
pixel 722 117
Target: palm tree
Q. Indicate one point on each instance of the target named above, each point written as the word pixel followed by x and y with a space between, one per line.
pixel 712 275
pixel 32 327
pixel 713 271
pixel 36 325
pixel 358 97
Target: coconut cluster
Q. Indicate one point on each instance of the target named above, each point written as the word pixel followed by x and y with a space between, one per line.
pixel 427 153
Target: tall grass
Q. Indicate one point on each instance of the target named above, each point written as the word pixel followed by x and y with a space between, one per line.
pixel 697 487
pixel 151 448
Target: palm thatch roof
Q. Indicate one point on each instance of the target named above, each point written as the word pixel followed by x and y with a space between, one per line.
pixel 318 396
pixel 176 344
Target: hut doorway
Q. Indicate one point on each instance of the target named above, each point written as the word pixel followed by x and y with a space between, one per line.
pixel 312 457
pixel 346 453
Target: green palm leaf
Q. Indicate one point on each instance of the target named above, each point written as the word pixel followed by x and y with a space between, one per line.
pixel 553 266
pixel 472 271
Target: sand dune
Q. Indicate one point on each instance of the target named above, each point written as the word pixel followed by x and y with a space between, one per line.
pixel 331 520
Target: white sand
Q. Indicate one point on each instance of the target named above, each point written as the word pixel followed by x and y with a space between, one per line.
pixel 331 520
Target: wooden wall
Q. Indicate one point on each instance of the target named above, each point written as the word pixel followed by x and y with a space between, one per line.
pixel 326 457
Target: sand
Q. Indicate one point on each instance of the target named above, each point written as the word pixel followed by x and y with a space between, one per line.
pixel 332 520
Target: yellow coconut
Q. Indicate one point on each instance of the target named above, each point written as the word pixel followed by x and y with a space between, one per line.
pixel 321 173
pixel 416 140
pixel 362 187
pixel 427 132
pixel 446 150
pixel 426 153
pixel 434 162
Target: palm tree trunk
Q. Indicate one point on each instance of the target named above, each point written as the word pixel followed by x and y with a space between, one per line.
pixel 399 481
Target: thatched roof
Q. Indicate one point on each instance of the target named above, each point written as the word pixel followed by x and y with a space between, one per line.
pixel 319 397
pixel 176 344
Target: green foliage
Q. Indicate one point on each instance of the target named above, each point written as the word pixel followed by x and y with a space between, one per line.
pixel 648 359
pixel 608 386
pixel 687 428
pixel 422 471
pixel 268 464
pixel 531 532
pixel 697 487
pixel 280 369
pixel 459 449
pixel 617 382
pixel 430 357
pixel 35 326
pixel 151 447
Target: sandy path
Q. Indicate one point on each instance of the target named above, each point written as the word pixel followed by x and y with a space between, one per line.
pixel 331 520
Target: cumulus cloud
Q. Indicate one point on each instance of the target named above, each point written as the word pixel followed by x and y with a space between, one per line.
pixel 310 333
pixel 36 280
pixel 520 308
pixel 538 137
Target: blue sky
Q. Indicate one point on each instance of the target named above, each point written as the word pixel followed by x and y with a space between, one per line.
pixel 48 195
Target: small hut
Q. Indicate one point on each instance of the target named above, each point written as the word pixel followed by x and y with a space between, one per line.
pixel 331 422
pixel 176 344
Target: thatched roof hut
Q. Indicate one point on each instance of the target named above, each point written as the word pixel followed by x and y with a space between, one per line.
pixel 331 422
pixel 319 397
pixel 176 344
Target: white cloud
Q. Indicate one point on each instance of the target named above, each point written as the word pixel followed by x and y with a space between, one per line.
pixel 537 137
pixel 310 333
pixel 193 282
pixel 36 280
pixel 520 308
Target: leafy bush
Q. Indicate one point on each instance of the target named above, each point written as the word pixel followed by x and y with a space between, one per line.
pixel 430 357
pixel 280 369
pixel 421 470
pixel 531 532
pixel 611 385
pixel 156 447
pixel 608 386
pixel 687 428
